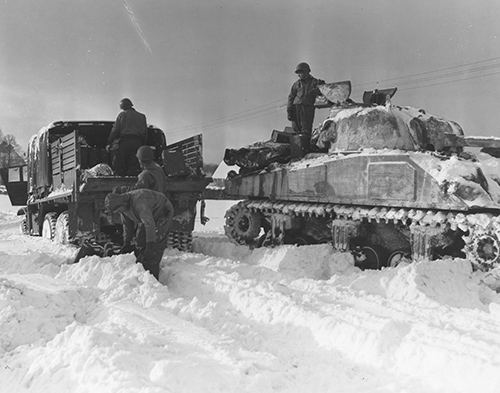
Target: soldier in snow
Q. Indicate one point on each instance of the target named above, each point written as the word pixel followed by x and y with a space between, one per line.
pixel 300 107
pixel 152 176
pixel 127 134
pixel 146 216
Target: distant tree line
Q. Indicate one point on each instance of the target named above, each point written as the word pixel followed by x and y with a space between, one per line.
pixel 209 169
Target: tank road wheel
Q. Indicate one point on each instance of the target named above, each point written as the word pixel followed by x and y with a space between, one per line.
pixel 397 257
pixel 242 225
pixel 483 249
pixel 369 257
pixel 49 225
pixel 62 228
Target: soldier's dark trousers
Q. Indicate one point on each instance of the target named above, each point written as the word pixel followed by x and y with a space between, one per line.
pixel 304 118
pixel 150 257
pixel 126 163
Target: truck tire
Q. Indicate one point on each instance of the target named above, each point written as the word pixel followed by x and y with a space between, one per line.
pixel 49 225
pixel 62 228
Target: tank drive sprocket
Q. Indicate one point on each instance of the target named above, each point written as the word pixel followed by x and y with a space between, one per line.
pixel 242 224
pixel 482 245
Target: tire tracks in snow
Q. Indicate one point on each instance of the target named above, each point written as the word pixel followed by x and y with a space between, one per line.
pixel 248 312
pixel 409 339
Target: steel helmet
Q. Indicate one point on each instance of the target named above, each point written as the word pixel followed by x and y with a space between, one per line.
pixel 125 103
pixel 302 67
pixel 145 154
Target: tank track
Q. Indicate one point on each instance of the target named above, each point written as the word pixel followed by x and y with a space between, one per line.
pixel 478 227
pixel 182 241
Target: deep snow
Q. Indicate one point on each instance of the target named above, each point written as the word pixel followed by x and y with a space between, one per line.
pixel 228 319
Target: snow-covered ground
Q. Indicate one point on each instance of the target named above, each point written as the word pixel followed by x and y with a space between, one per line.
pixel 228 319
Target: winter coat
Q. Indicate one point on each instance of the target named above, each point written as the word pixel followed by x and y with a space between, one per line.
pixel 149 208
pixel 129 123
pixel 152 177
pixel 304 92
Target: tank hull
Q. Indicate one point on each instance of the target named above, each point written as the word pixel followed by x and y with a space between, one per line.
pixel 386 204
pixel 392 180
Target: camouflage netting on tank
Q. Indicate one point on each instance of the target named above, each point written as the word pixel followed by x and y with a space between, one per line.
pixel 387 127
pixel 258 155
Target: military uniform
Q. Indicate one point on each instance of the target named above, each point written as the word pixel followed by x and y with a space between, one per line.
pixel 146 215
pixel 300 105
pixel 152 177
pixel 130 130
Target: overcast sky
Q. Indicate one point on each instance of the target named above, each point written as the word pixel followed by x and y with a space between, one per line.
pixel 225 68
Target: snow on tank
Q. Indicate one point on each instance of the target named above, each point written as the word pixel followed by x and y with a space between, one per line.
pixel 388 127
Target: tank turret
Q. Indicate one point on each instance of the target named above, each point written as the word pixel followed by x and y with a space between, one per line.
pixel 388 127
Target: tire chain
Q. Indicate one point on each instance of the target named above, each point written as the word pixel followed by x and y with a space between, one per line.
pixel 182 241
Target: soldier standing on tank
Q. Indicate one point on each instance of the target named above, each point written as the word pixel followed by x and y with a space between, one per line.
pixel 127 134
pixel 300 107
pixel 146 216
pixel 153 176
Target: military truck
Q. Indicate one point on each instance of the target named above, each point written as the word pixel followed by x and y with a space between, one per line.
pixel 383 181
pixel 67 176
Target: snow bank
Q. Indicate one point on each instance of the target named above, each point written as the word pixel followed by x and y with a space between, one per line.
pixel 117 278
pixel 6 209
pixel 35 308
pixel 416 319
pixel 227 319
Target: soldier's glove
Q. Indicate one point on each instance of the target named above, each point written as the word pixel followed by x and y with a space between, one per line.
pixel 290 114
pixel 127 248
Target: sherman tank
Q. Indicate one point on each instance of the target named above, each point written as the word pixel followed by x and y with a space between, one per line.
pixel 384 181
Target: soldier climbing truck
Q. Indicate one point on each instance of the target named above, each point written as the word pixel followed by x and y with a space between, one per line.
pixel 383 181
pixel 68 175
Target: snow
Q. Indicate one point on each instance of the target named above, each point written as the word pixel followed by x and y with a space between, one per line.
pixel 223 169
pixel 229 319
pixel 455 173
pixel 60 191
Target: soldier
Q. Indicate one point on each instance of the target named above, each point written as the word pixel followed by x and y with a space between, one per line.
pixel 127 134
pixel 152 176
pixel 300 107
pixel 146 215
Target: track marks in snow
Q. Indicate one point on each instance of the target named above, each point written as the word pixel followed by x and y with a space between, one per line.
pixel 35 308
pixel 262 316
pixel 411 334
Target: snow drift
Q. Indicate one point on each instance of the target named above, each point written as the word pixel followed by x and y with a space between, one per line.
pixel 226 319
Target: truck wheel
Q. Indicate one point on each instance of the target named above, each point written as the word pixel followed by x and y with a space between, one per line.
pixel 49 226
pixel 62 228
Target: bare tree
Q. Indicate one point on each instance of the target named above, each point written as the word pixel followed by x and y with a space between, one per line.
pixel 11 145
